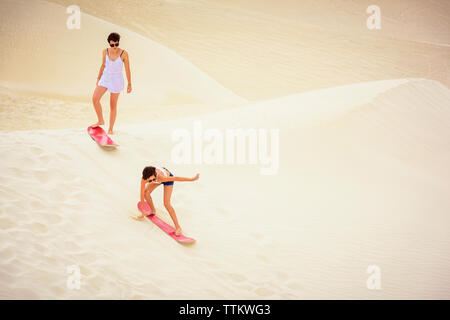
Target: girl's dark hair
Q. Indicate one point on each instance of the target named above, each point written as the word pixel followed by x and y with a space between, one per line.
pixel 113 37
pixel 148 172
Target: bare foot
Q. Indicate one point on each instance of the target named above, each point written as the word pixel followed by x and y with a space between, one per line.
pixel 110 131
pixel 99 123
pixel 140 217
pixel 178 231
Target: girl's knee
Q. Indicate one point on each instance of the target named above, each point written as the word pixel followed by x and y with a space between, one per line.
pixel 167 205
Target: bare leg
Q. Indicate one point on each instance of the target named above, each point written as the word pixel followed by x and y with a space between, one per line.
pixel 148 197
pixel 98 93
pixel 148 190
pixel 112 115
pixel 167 195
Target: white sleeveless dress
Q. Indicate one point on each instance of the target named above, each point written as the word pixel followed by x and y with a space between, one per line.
pixel 112 77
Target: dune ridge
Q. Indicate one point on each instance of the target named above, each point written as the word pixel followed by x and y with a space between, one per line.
pixel 264 49
pixel 159 75
pixel 344 201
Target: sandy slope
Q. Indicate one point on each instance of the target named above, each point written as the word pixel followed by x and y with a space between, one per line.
pixel 363 183
pixel 47 57
pixel 264 49
pixel 21 110
pixel 362 173
pixel 414 20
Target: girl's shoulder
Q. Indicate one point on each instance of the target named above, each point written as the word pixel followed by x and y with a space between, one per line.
pixel 161 171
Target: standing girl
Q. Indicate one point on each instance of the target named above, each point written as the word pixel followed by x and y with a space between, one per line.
pixel 110 78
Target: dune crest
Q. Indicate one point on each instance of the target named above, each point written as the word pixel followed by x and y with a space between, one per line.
pixel 49 58
pixel 352 191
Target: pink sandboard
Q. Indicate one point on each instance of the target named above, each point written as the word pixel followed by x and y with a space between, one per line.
pixel 164 226
pixel 99 135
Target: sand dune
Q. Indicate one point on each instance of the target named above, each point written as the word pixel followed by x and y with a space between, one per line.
pixel 413 20
pixel 264 49
pixel 358 184
pixel 47 57
pixel 21 110
pixel 361 177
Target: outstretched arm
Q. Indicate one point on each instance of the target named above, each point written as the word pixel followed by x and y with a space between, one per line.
pixel 167 179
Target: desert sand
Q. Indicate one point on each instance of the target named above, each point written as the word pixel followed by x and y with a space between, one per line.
pixel 265 49
pixel 361 175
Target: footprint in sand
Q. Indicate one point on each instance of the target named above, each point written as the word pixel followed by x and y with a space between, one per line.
pixel 57 195
pixel 38 227
pixel 86 272
pixel 212 264
pixel 57 291
pixel 236 277
pixel 37 204
pixel 43 176
pixel 263 291
pixel 5 223
pixel 256 235
pixel 45 158
pixel 80 195
pixel 294 285
pixel 223 212
pixel 282 276
pixel 36 150
pixel 72 247
pixel 17 172
pixel 263 258
pixel 7 254
pixel 63 156
pixel 52 218
pixel 40 248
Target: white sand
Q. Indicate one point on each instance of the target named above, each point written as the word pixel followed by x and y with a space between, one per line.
pixel 363 180
pixel 264 49
pixel 70 65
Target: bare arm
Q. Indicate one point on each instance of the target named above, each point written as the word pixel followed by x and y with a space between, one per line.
pixel 126 60
pixel 102 66
pixel 167 179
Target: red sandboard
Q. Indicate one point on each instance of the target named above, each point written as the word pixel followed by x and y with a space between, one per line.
pixel 164 226
pixel 99 135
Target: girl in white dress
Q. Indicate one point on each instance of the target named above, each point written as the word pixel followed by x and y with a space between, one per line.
pixel 110 78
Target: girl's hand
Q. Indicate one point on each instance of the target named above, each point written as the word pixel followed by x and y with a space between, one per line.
pixel 129 88
pixel 145 208
pixel 98 79
pixel 196 177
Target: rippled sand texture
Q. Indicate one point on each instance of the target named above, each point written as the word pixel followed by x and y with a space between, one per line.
pixel 363 155
pixel 355 188
pixel 266 48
